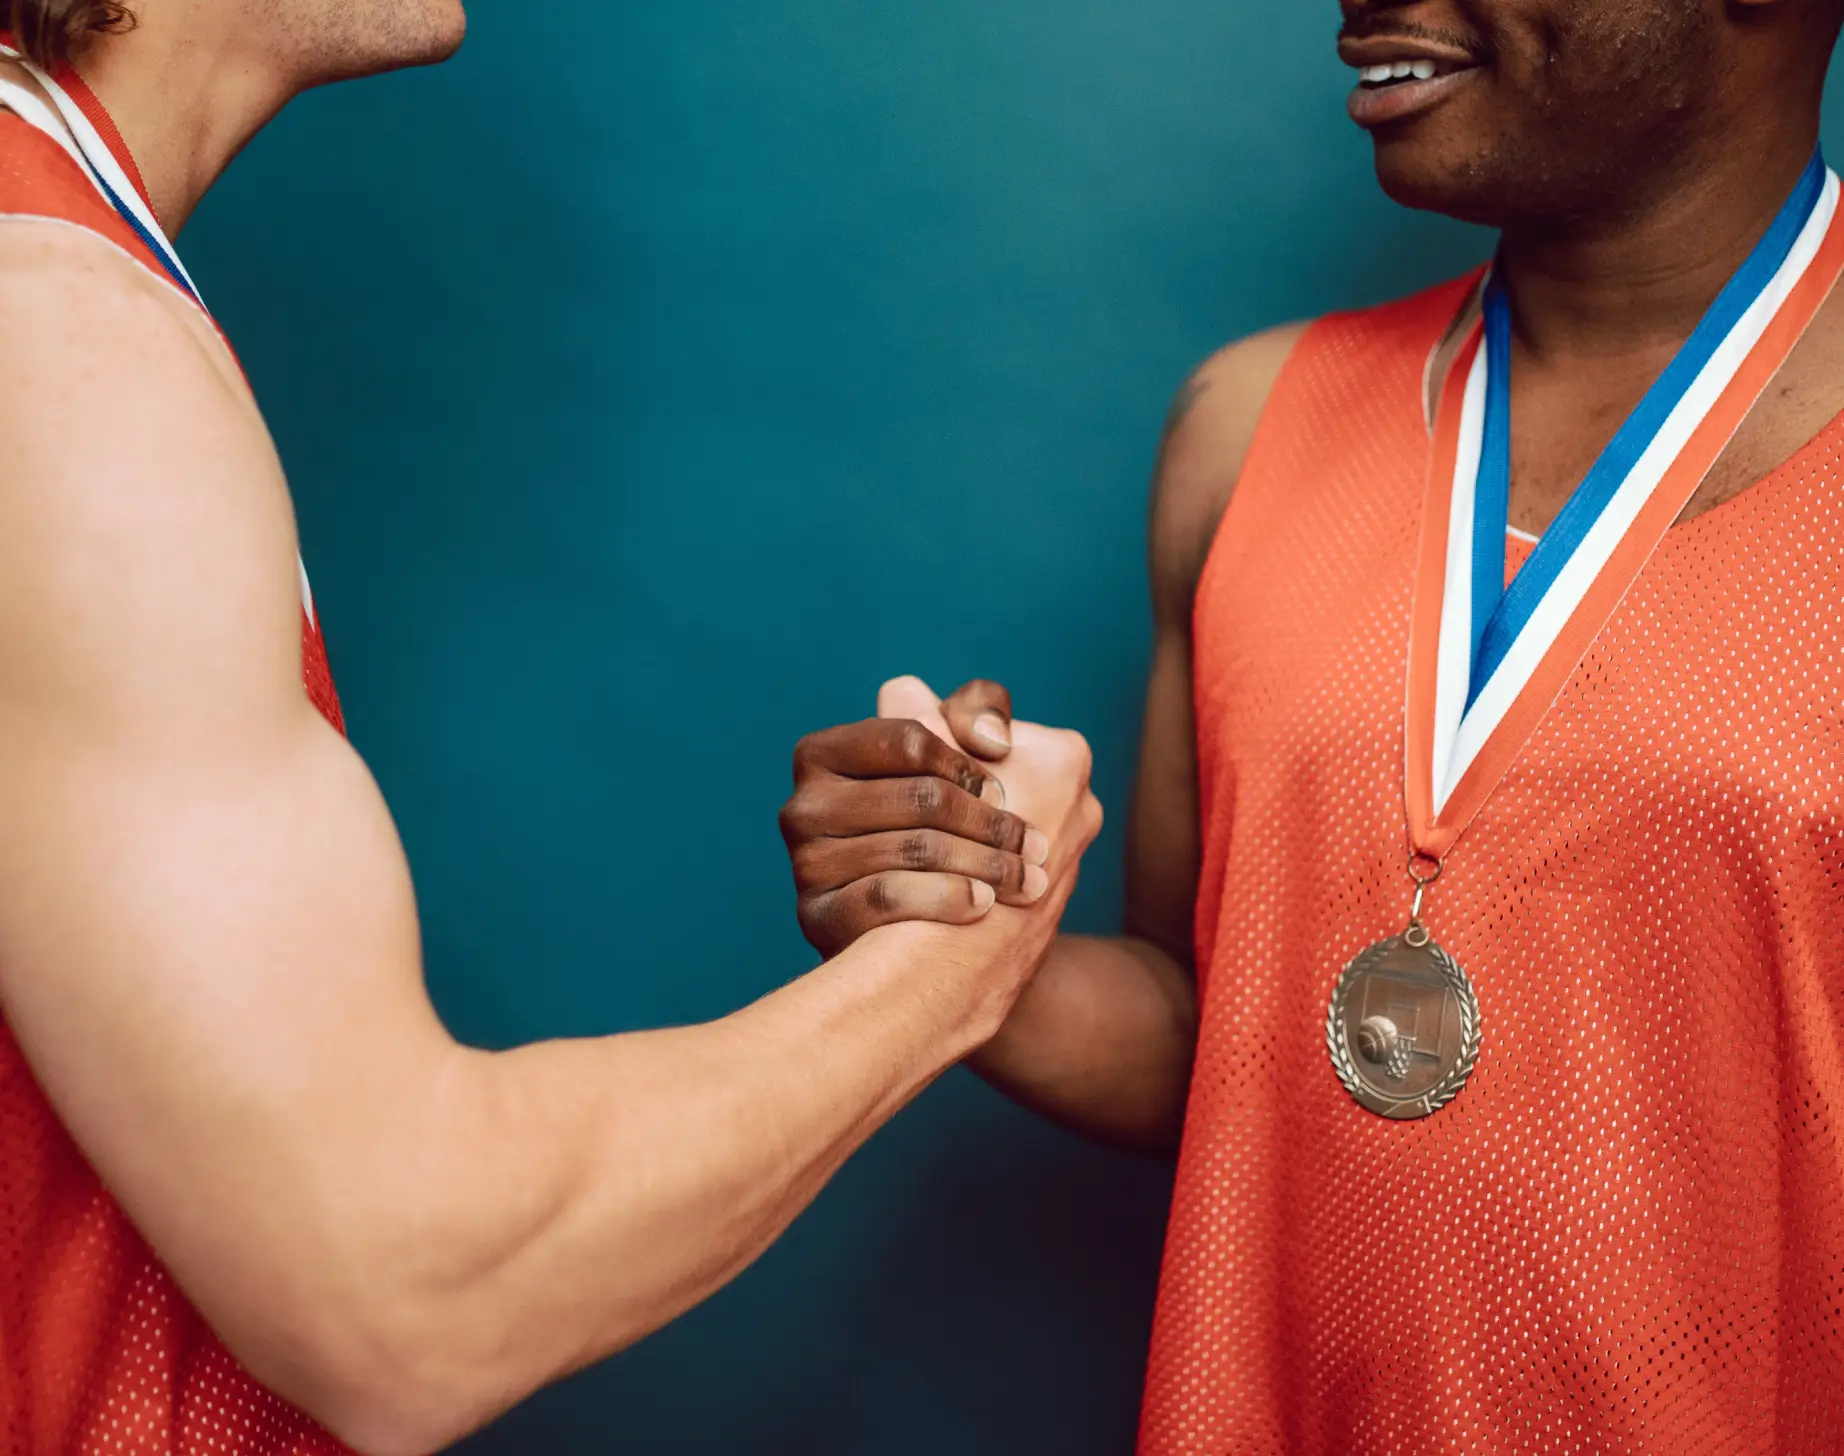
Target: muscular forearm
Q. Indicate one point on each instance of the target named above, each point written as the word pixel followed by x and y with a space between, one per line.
pixel 1102 1042
pixel 573 1197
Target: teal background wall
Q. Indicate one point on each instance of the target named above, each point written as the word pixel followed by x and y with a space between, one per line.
pixel 655 380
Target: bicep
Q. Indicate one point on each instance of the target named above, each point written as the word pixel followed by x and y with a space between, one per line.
pixel 195 953
pixel 207 936
pixel 1207 438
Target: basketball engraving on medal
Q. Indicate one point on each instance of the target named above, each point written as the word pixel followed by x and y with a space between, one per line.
pixel 1404 1029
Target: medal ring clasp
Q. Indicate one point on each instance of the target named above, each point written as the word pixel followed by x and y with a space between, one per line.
pixel 1424 871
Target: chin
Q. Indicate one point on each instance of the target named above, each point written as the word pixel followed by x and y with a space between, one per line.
pixel 431 32
pixel 1463 184
pixel 451 29
pixel 391 35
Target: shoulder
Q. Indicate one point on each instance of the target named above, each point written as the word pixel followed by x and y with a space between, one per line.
pixel 142 508
pixel 1208 432
pixel 70 290
pixel 1214 415
pixel 114 388
pixel 1218 411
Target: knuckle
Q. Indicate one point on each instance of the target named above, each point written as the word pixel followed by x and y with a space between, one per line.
pixel 881 896
pixel 904 683
pixel 1005 831
pixel 913 742
pixel 806 754
pixel 1003 871
pixel 921 850
pixel 927 797
pixel 818 919
pixel 803 856
pixel 1073 755
pixel 992 694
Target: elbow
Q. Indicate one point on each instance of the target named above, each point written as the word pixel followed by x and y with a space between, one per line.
pixel 390 1377
pixel 373 1421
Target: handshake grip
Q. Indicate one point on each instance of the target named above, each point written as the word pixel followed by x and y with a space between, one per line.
pixel 1045 777
pixel 896 820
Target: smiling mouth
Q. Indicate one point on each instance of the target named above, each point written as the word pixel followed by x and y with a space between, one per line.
pixel 1397 79
pixel 1394 73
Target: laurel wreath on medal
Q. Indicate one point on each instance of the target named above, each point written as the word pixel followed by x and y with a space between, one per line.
pixel 1472 1032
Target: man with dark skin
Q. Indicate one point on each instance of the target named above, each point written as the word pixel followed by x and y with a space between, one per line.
pixel 1631 153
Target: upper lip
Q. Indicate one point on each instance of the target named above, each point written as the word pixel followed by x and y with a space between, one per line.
pixel 1386 50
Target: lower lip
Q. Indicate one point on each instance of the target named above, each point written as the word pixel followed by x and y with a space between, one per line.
pixel 1373 106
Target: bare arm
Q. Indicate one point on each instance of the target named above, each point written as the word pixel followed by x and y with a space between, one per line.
pixel 1103 1038
pixel 209 949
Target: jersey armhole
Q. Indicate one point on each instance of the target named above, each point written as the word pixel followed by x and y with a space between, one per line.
pixel 39 182
pixel 1283 384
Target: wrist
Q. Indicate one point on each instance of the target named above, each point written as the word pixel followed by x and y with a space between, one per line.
pixel 970 977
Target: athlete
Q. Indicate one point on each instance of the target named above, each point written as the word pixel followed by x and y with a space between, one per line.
pixel 1486 941
pixel 253 1199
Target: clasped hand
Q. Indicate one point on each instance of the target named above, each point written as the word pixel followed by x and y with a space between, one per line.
pixel 935 811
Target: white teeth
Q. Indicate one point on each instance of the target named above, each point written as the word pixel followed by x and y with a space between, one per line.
pixel 1422 70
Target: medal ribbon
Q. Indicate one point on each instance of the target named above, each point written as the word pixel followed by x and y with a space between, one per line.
pixel 1486 661
pixel 84 129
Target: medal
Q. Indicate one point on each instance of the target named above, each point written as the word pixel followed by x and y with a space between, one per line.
pixel 1404 1028
pixel 1487 661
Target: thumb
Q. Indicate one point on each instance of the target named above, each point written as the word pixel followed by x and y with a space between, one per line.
pixel 910 697
pixel 980 718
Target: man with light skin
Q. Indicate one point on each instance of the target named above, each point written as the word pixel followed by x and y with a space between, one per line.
pixel 253 1198
pixel 1484 942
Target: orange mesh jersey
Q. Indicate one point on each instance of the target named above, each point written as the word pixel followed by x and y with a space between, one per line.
pixel 100 1352
pixel 1627 1233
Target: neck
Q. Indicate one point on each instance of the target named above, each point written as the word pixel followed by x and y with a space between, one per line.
pixel 186 102
pixel 1643 278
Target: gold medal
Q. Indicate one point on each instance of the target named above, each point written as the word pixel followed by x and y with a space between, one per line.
pixel 1404 1030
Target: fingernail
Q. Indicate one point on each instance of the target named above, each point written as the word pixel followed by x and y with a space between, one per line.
pixel 1035 882
pixel 992 729
pixel 1036 846
pixel 984 895
pixel 993 792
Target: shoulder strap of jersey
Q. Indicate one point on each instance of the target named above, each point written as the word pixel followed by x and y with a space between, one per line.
pixel 42 179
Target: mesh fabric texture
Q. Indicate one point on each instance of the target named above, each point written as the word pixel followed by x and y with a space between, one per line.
pixel 1627 1234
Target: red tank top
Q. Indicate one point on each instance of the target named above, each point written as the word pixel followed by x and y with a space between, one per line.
pixel 100 1352
pixel 1627 1233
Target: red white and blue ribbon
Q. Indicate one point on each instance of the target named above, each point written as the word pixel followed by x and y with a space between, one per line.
pixel 1487 661
pixel 72 128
